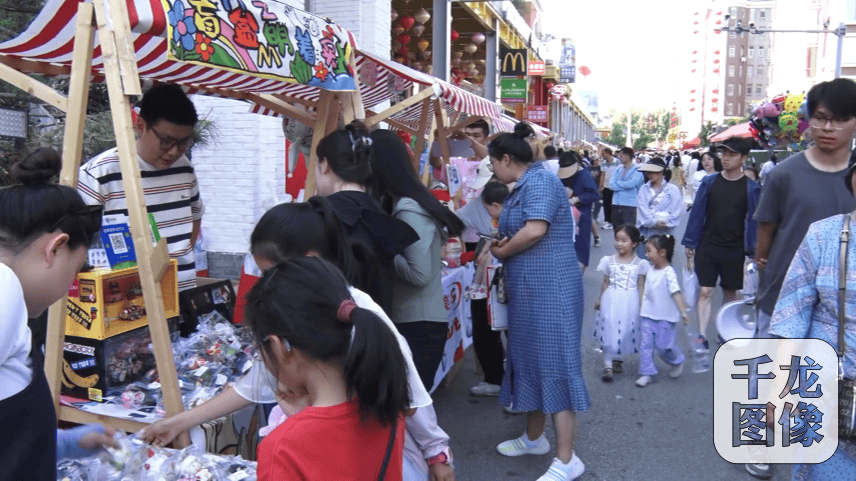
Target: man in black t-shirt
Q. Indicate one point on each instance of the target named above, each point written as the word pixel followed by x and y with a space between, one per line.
pixel 721 229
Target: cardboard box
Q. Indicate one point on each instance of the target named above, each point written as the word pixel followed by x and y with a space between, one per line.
pixel 96 368
pixel 104 303
pixel 208 296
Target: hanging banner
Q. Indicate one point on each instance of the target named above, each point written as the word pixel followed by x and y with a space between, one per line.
pixel 513 62
pixel 568 61
pixel 536 68
pixel 460 334
pixel 513 91
pixel 265 39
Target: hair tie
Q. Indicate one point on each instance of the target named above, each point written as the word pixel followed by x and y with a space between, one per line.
pixel 345 309
pixel 355 141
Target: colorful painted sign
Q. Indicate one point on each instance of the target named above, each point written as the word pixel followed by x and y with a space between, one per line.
pixel 513 91
pixel 261 38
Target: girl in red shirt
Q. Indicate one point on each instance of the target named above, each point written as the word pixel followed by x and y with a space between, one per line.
pixel 317 342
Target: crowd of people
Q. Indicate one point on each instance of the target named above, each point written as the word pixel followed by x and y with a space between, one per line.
pixel 349 315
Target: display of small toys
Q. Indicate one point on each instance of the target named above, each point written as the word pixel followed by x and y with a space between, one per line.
pixel 217 354
pixel 115 292
pixel 132 312
pixel 138 461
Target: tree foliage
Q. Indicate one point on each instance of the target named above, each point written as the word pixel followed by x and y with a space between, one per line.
pixel 650 127
pixel 706 131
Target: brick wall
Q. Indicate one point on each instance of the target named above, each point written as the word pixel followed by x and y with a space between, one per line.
pixel 245 166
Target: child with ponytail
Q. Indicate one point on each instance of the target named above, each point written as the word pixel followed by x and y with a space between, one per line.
pixel 662 307
pixel 313 338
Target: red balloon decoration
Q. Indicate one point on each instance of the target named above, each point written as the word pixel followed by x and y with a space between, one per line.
pixel 454 35
pixel 403 39
pixel 406 21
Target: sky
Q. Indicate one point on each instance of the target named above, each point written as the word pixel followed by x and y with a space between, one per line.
pixel 636 50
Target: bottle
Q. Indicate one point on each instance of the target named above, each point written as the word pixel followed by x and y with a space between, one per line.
pixel 453 252
pixel 701 354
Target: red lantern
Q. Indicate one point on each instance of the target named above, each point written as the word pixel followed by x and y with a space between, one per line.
pixel 585 71
pixel 692 109
pixel 695 52
pixel 714 100
pixel 719 22
pixel 693 71
pixel 454 35
pixel 714 109
pixel 550 85
pixel 406 21
pixel 695 23
pixel 695 32
pixel 716 70
pixel 694 60
pixel 716 61
pixel 716 52
pixel 404 39
pixel 692 100
pixel 692 91
pixel 716 91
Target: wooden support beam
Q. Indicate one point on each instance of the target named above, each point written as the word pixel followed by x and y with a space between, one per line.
pixel 463 123
pixel 408 102
pixel 326 104
pixel 125 49
pixel 284 108
pixel 33 87
pixel 135 201
pixel 29 66
pixel 426 175
pixel 420 137
pixel 442 131
pixel 72 146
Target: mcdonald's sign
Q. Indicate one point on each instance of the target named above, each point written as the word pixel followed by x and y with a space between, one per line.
pixel 513 62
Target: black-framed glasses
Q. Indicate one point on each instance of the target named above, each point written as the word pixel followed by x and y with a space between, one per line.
pixel 166 144
pixel 819 121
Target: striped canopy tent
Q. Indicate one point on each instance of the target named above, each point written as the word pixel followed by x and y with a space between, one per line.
pixel 47 44
pixel 506 123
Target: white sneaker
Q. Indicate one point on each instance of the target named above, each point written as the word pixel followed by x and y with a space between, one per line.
pixel 606 226
pixel 560 472
pixel 676 371
pixel 485 389
pixel 644 381
pixel 522 445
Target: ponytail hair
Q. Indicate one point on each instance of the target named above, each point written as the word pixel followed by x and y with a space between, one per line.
pixel 299 301
pixel 348 152
pixel 293 230
pixel 35 205
pixel 666 242
pixel 513 144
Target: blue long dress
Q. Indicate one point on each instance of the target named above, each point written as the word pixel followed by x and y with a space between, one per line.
pixel 545 310
pixel 582 183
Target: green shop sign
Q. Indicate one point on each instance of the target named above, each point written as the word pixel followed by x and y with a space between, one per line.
pixel 514 91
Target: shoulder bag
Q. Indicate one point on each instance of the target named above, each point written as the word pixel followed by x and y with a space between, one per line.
pixel 846 391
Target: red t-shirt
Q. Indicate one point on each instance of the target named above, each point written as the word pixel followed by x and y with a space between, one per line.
pixel 330 443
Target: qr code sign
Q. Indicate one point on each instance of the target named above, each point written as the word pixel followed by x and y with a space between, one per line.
pixel 118 243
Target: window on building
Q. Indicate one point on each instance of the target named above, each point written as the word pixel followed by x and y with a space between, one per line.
pixel 750 71
pixel 760 52
pixel 739 90
pixel 731 51
pixel 733 35
pixel 740 71
pixel 751 52
pixel 758 89
pixel 760 71
pixel 731 70
pixel 762 14
pixel 730 89
pixel 742 51
pixel 729 109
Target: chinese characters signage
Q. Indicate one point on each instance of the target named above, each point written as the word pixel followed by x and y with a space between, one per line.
pixel 568 61
pixel 536 68
pixel 513 91
pixel 261 38
pixel 536 113
pixel 775 401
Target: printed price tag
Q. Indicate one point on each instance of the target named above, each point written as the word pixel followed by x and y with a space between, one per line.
pixel 202 370
pixel 239 475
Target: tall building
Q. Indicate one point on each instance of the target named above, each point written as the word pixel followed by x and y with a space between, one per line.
pixel 747 58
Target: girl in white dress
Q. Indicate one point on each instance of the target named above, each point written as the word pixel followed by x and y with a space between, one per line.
pixel 617 327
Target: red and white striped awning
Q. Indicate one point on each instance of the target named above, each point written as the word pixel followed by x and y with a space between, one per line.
pixel 49 42
pixel 506 123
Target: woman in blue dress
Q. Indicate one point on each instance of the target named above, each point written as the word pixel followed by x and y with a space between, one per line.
pixel 808 307
pixel 545 308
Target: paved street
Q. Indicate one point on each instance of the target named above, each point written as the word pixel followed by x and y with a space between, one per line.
pixel 661 432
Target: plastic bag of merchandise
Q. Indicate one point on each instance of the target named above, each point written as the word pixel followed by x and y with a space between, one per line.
pixel 238 469
pixel 194 463
pixel 690 285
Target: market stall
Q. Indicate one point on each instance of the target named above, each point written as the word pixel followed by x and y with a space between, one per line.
pixel 209 51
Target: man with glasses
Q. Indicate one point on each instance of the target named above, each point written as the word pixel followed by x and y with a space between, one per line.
pixel 165 133
pixel 802 189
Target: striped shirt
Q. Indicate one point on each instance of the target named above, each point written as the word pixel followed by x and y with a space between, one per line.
pixel 172 197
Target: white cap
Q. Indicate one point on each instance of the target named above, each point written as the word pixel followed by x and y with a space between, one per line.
pixel 483 174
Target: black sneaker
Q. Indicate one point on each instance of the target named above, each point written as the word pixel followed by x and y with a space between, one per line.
pixel 616 367
pixel 597 241
pixel 607 375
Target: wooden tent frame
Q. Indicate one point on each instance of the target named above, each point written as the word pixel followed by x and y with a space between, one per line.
pixel 122 78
